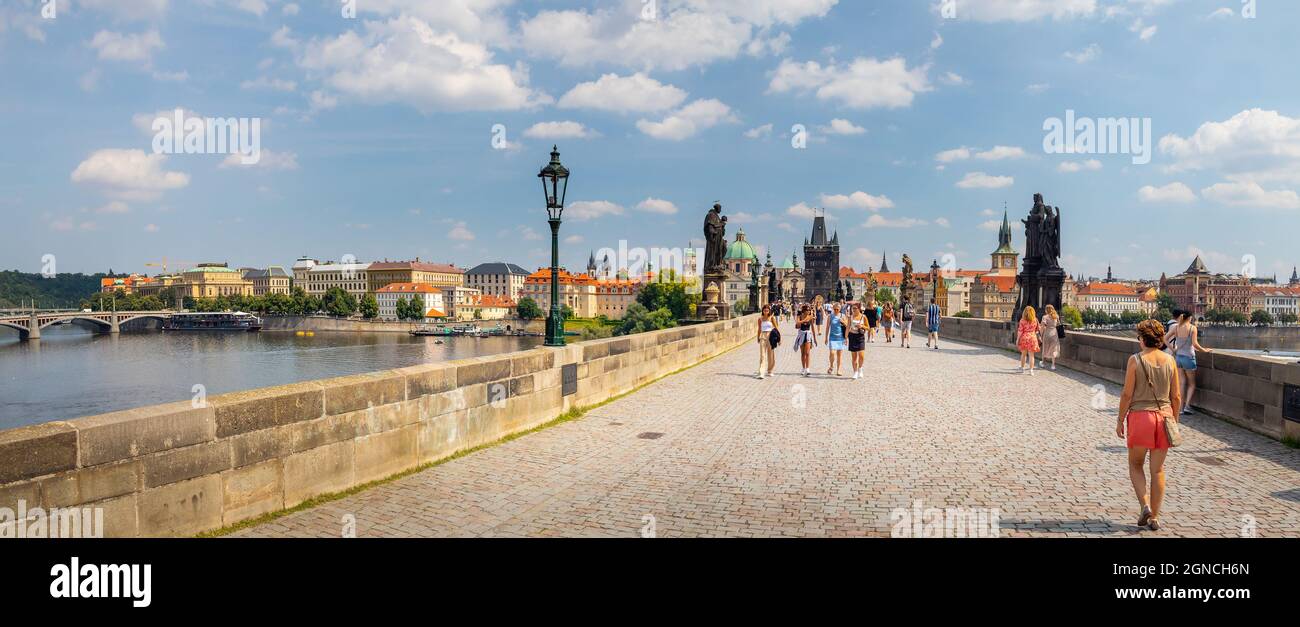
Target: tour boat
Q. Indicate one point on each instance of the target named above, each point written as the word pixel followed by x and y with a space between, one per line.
pixel 237 321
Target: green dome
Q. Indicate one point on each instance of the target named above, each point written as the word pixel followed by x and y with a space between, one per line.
pixel 740 249
pixel 788 264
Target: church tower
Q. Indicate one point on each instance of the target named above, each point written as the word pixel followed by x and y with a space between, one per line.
pixel 821 256
pixel 1005 258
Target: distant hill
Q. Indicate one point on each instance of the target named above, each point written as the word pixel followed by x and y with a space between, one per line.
pixel 63 291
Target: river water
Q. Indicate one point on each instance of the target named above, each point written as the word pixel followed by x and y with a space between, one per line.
pixel 69 372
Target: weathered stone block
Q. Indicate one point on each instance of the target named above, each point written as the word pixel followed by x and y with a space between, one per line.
pixel 530 362
pixel 29 492
pixel 186 463
pixel 251 491
pixel 135 432
pixel 440 436
pixel 120 516
pixel 348 394
pixel 60 490
pixel 482 370
pixel 108 481
pixel 384 454
pixel 319 471
pixel 28 452
pixel 428 379
pixel 520 386
pixel 180 509
pixel 254 410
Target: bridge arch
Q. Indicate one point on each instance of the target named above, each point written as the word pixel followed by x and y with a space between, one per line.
pixel 101 325
pixel 161 318
pixel 21 329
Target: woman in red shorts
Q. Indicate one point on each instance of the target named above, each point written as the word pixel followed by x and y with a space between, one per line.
pixel 1151 397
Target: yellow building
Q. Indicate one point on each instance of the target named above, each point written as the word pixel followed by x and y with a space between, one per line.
pixel 577 291
pixel 439 275
pixel 211 280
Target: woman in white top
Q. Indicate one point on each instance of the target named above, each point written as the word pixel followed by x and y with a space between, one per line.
pixel 766 353
pixel 1184 338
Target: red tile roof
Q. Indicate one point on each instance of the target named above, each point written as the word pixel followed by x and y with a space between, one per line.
pixel 408 288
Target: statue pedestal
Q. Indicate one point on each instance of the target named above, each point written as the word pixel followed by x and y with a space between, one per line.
pixel 712 307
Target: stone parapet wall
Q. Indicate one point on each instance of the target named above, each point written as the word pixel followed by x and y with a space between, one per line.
pixel 178 469
pixel 1245 391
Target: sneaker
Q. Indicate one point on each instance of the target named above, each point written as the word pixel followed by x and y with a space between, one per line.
pixel 1053 367
pixel 760 376
pixel 1031 372
pixel 856 375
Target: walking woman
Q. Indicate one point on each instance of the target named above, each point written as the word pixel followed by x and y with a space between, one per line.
pixel 1051 341
pixel 766 352
pixel 857 339
pixel 1185 339
pixel 1027 338
pixel 872 320
pixel 887 321
pixel 1151 397
pixel 835 339
pixel 806 337
pixel 905 316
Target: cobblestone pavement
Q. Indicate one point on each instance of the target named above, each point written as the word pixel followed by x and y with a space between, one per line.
pixel 716 452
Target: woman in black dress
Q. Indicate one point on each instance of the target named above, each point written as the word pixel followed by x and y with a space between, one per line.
pixel 857 334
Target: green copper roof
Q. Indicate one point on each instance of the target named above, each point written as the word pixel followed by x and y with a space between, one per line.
pixel 740 249
pixel 788 264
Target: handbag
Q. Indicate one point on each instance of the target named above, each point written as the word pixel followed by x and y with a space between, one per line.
pixel 774 337
pixel 1173 432
pixel 1060 330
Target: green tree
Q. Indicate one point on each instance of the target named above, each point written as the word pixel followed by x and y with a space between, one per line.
pixel 527 309
pixel 403 308
pixel 1288 318
pixel 369 307
pixel 883 295
pixel 339 303
pixel 417 309
pixel 1165 301
pixel 671 296
pixel 566 313
pixel 964 314
pixel 638 319
pixel 1072 317
pixel 1261 317
pixel 1131 317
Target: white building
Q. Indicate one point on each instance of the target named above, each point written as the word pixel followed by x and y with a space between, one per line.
pixel 497 279
pixel 1111 298
pixel 353 278
pixel 1276 299
pixel 390 294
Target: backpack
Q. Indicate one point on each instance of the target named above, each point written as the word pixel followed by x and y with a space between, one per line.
pixel 907 312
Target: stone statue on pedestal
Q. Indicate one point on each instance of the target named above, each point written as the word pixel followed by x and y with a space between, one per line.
pixel 715 240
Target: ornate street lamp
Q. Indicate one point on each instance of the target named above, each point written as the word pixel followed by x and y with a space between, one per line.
pixel 555 184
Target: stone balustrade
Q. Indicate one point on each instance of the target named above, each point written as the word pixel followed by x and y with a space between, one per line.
pixel 180 469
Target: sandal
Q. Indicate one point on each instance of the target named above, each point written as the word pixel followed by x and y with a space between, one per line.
pixel 1154 524
pixel 1146 516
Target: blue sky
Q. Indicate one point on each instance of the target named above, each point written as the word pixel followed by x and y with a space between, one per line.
pixel 378 132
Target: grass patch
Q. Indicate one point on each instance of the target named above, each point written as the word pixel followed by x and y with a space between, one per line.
pixel 573 414
pixel 1291 441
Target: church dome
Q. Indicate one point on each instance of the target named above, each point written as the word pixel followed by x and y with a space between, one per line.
pixel 740 249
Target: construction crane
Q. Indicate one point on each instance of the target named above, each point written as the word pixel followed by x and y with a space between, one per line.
pixel 172 262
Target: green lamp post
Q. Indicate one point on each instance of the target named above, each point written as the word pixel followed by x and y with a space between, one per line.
pixel 555 184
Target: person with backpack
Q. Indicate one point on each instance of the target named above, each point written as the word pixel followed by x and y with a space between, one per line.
pixel 905 323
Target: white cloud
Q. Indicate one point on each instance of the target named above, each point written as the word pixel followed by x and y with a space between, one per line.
pixel 936 42
pixel 999 153
pixel 878 221
pixel 636 93
pixel 268 160
pixel 954 79
pixel 943 222
pixel 559 130
pixel 460 232
pixel 980 180
pixel 585 210
pixel 840 126
pixel 688 121
pixel 406 61
pixel 857 200
pixel 1085 55
pixel 1251 195
pixel 290 9
pixel 113 46
pixel 573 239
pixel 685 34
pixel 802 210
pixel 1172 193
pixel 127 10
pixel 263 82
pixel 991 225
pixel 128 174
pixel 865 83
pixel 1252 145
pixel 656 205
pixel 1070 167
pixel 1221 13
pixel 1023 10
pixel 760 132
pixel 956 154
